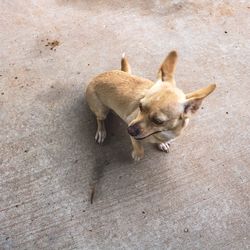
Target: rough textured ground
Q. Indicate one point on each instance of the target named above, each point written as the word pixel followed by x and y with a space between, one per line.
pixel 196 197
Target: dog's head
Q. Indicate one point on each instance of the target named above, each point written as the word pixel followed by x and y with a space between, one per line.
pixel 165 108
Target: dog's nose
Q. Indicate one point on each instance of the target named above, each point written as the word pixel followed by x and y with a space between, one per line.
pixel 134 130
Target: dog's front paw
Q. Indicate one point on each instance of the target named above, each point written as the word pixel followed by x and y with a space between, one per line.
pixel 165 147
pixel 100 136
pixel 137 156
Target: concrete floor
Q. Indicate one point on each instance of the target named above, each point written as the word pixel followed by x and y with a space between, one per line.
pixel 195 197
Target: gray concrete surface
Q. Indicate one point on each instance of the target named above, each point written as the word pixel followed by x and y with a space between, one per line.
pixel 196 197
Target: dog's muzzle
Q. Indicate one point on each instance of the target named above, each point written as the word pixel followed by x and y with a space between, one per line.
pixel 134 130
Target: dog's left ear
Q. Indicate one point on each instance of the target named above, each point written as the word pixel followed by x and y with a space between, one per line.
pixel 167 69
pixel 194 99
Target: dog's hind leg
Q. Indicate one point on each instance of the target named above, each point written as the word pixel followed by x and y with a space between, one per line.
pixel 101 111
pixel 125 65
pixel 101 131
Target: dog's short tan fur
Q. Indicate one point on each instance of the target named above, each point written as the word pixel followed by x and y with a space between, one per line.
pixel 155 112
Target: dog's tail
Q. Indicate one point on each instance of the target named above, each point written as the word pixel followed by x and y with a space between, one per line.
pixel 125 65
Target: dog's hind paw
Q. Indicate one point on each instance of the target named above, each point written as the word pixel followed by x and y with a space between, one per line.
pixel 100 136
pixel 165 147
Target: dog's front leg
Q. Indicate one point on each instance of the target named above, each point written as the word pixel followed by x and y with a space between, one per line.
pixel 138 150
pixel 162 141
pixel 164 146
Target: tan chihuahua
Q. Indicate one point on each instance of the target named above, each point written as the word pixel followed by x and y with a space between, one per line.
pixel 155 112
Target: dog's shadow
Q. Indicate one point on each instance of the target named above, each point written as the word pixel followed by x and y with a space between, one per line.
pixel 85 161
pixel 115 149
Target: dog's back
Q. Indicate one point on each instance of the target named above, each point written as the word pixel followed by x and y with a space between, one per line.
pixel 118 90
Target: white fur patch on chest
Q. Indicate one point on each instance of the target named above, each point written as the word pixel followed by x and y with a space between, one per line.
pixel 169 135
pixel 165 136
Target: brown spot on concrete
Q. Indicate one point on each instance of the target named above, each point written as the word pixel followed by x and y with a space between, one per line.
pixel 52 44
pixel 226 10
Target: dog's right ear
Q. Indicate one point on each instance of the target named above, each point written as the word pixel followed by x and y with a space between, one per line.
pixel 167 69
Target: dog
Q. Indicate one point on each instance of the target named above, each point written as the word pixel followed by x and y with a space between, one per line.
pixel 156 112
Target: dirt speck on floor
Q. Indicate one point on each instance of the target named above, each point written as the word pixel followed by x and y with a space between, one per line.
pixel 52 44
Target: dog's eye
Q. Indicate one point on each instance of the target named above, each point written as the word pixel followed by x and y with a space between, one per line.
pixel 157 121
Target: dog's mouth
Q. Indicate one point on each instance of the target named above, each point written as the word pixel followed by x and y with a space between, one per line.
pixel 144 137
